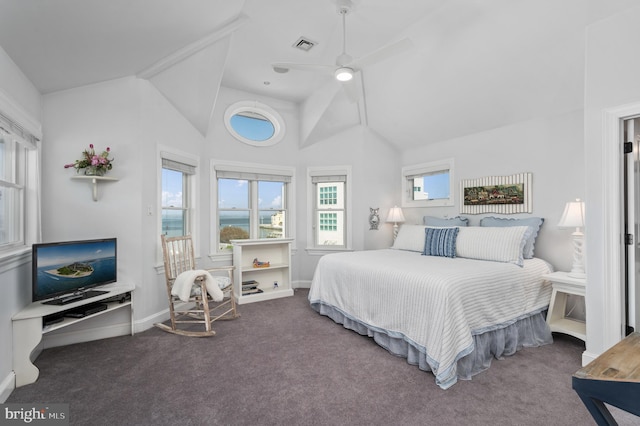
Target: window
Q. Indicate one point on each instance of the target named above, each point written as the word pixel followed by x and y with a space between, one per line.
pixel 252 202
pixel 329 200
pixel 428 184
pixel 254 123
pixel 18 186
pixel 177 196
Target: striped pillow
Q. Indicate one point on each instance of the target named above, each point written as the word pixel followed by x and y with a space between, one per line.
pixel 440 241
pixel 499 244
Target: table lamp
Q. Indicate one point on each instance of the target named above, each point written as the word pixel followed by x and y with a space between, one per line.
pixel 573 217
pixel 395 216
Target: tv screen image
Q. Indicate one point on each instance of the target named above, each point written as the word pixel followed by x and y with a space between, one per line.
pixel 70 267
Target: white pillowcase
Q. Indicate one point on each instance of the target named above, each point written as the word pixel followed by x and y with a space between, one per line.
pixel 410 237
pixel 499 244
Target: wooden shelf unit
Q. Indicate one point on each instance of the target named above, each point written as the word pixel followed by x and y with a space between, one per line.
pixel 277 252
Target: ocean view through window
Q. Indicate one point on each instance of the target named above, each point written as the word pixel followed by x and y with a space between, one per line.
pixel 176 190
pixel 270 225
pixel 252 203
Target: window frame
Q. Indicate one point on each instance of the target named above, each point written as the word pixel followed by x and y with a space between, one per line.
pixel 25 177
pixel 190 186
pixel 444 165
pixel 256 170
pixel 254 107
pixel 313 248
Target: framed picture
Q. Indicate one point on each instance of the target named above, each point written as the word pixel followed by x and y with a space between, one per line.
pixel 497 194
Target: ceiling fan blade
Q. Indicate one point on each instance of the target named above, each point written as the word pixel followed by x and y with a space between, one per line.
pixel 383 53
pixel 282 66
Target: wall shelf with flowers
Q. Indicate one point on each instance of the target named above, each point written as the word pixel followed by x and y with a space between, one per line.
pixel 93 167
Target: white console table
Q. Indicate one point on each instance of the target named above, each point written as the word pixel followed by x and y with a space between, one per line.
pixel 28 327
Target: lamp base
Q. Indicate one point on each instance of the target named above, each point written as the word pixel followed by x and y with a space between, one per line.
pixel 580 275
pixel 577 269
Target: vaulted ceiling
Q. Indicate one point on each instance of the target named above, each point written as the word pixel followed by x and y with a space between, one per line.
pixel 474 65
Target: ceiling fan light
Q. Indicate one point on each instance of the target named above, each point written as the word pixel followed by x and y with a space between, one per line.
pixel 344 74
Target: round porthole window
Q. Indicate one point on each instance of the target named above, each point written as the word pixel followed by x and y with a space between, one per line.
pixel 254 123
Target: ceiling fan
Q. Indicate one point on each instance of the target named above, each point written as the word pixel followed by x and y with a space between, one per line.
pixel 346 67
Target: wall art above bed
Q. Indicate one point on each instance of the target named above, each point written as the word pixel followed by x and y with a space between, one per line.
pixel 497 194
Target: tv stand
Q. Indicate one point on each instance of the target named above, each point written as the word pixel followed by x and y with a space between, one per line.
pixel 74 297
pixel 30 324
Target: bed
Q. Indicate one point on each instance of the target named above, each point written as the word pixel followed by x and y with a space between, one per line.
pixel 449 303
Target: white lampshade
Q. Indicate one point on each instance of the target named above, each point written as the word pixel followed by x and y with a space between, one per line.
pixel 395 215
pixel 344 74
pixel 573 216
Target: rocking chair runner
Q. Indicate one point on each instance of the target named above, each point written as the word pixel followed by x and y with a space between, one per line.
pixel 199 306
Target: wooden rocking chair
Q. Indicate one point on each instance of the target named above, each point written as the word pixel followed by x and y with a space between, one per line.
pixel 197 306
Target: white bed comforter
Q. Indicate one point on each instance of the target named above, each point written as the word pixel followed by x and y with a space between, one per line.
pixel 435 303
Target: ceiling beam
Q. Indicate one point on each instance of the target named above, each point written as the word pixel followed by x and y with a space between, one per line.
pixel 181 54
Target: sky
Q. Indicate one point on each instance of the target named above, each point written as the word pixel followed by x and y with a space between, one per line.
pixel 437 186
pixel 235 193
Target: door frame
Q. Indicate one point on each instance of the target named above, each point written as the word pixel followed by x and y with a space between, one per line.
pixel 613 252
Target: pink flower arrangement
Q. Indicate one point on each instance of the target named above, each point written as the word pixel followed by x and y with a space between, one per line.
pixel 95 163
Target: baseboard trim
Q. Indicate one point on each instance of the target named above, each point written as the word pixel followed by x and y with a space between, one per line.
pixel 587 357
pixel 7 386
pixel 146 323
pixel 301 284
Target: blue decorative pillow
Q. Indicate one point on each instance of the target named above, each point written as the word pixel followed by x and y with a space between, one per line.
pixel 535 223
pixel 440 241
pixel 439 221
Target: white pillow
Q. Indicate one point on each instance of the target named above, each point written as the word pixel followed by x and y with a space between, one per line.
pixel 499 244
pixel 410 237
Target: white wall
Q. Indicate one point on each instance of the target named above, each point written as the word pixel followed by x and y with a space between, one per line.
pixel 374 165
pixel 105 115
pixel 15 274
pixel 549 147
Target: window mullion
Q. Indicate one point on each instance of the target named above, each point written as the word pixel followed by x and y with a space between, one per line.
pixel 254 214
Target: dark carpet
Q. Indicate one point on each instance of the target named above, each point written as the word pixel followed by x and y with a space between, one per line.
pixel 282 363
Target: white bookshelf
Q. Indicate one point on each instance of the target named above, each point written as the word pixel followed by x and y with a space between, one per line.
pixel 277 252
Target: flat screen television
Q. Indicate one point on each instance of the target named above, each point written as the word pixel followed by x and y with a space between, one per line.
pixel 64 272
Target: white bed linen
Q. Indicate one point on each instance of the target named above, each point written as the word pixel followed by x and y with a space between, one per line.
pixel 435 303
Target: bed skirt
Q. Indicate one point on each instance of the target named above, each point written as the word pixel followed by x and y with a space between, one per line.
pixel 502 340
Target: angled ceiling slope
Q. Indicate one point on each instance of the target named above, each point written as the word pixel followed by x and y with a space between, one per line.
pixel 190 78
pixel 325 113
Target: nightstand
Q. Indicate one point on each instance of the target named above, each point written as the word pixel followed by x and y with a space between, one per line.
pixel 564 285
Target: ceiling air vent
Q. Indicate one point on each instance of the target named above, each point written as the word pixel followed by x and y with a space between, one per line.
pixel 304 43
